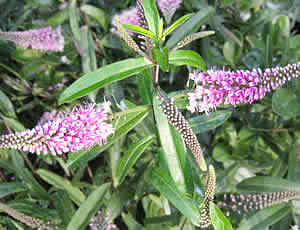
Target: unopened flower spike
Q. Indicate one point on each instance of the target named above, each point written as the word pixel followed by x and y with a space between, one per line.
pixel 44 39
pixel 28 220
pixel 129 40
pixel 102 222
pixel 209 196
pixel 176 118
pixel 168 8
pixel 215 87
pixel 82 128
pixel 244 203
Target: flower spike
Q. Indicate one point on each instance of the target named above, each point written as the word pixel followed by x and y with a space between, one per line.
pixel 44 39
pixel 84 127
pixel 215 87
pixel 176 118
pixel 28 220
pixel 244 203
pixel 209 196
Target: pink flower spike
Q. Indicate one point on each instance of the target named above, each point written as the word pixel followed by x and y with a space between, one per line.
pixel 168 8
pixel 44 39
pixel 215 87
pixel 83 128
pixel 129 16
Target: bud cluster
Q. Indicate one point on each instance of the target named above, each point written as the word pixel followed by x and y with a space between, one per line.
pixel 176 118
pixel 101 222
pixel 209 196
pixel 28 220
pixel 244 203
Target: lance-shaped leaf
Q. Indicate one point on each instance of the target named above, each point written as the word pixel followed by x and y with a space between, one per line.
pixel 187 57
pixel 104 76
pixel 88 208
pixel 166 186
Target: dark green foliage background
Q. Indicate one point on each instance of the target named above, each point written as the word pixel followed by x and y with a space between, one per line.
pixel 134 175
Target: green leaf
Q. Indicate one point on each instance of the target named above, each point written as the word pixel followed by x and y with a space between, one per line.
pixel 190 26
pixel 14 124
pixel 25 175
pixel 104 76
pixel 166 186
pixel 204 123
pixel 260 184
pixel 6 106
pixel 265 217
pixel 130 120
pixel 64 206
pixel 170 147
pixel 131 222
pixel 58 18
pixel 144 83
pixel 97 14
pixel 132 155
pixel 161 56
pixel 286 103
pixel 152 15
pixel 218 220
pixel 177 23
pixel 59 182
pixel 187 57
pixel 232 51
pixel 11 188
pixel 31 208
pixel 140 30
pixel 88 208
pixel 74 20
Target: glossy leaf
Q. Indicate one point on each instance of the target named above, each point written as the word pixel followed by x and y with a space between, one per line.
pixel 26 176
pixel 232 50
pixel 260 184
pixel 64 206
pixel 96 13
pixel 130 120
pixel 88 208
pixel 162 181
pixel 132 155
pixel 265 217
pixel 152 15
pixel 161 56
pixel 74 18
pixel 187 57
pixel 176 24
pixel 6 106
pixel 190 26
pixel 204 123
pixel 286 103
pixel 104 76
pixel 11 188
pixel 59 182
pixel 140 30
pixel 218 220
pixel 171 153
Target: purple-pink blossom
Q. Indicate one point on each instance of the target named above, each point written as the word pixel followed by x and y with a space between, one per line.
pixel 82 128
pixel 215 87
pixel 44 39
pixel 168 8
pixel 128 16
pixel 102 222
